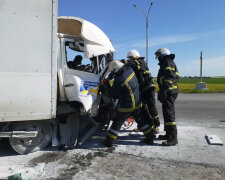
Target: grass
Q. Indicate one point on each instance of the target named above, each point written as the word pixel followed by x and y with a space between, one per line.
pixel 214 85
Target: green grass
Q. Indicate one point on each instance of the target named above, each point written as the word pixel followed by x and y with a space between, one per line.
pixel 214 85
pixel 206 80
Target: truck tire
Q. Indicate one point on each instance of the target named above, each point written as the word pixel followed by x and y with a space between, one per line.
pixel 28 145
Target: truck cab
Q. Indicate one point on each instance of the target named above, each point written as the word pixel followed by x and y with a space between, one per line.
pixel 79 37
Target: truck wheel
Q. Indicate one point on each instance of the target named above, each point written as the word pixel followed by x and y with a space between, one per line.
pixel 28 145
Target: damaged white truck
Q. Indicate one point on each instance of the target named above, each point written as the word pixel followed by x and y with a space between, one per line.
pixel 41 98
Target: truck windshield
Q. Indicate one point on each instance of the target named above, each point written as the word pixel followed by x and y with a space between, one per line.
pixel 76 60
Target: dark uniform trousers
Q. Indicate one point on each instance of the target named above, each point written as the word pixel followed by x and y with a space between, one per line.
pixel 121 117
pixel 169 113
pixel 148 98
pixel 140 117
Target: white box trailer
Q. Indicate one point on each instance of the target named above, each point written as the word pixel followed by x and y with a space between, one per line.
pixel 37 87
pixel 28 59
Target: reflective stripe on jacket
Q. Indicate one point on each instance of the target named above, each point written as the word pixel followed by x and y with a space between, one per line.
pixel 142 73
pixel 126 89
pixel 168 75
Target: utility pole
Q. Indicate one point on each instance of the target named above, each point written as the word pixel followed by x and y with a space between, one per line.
pixel 201 85
pixel 146 18
pixel 201 66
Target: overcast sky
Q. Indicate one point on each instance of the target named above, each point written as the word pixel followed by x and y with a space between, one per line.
pixel 186 27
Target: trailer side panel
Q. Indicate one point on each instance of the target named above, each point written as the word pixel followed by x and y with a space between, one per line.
pixel 26 59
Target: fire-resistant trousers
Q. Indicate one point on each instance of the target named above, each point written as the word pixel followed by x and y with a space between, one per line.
pixel 121 117
pixel 168 109
pixel 148 98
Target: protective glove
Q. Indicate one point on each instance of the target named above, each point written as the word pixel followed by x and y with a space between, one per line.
pixel 103 86
pixel 162 95
pixel 105 82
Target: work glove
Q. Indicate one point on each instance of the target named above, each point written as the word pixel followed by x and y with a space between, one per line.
pixel 162 95
pixel 103 86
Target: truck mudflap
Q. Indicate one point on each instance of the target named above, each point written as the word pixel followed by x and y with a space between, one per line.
pixel 72 129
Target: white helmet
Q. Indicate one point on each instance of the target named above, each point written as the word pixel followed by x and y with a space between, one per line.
pixel 133 53
pixel 114 66
pixel 162 51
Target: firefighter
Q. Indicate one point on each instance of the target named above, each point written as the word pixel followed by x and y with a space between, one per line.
pixel 146 84
pixel 126 89
pixel 167 79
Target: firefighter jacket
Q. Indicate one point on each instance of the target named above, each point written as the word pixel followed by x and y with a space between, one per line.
pixel 168 75
pixel 126 89
pixel 142 73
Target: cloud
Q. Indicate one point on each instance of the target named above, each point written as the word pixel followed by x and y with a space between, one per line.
pixel 171 39
pixel 165 40
pixel 211 67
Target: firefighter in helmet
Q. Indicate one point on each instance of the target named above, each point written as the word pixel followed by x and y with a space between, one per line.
pixel 167 79
pixel 126 89
pixel 146 85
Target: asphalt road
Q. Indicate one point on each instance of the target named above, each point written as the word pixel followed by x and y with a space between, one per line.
pixel 193 158
pixel 207 110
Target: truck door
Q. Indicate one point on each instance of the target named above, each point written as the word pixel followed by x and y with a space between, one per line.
pixel 81 80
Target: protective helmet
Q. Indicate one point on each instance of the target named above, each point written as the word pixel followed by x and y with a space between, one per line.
pixel 114 66
pixel 133 53
pixel 162 51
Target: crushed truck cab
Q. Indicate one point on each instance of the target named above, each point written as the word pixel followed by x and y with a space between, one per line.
pixel 42 98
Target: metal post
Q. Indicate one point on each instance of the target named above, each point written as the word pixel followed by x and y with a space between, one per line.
pixel 201 66
pixel 146 17
pixel 147 40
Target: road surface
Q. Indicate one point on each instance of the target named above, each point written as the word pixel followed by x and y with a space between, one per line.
pixel 193 158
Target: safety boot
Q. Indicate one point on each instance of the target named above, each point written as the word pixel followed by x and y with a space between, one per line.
pixel 171 141
pixel 163 137
pixel 108 142
pixel 149 138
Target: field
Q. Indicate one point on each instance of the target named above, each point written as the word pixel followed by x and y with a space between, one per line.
pixel 214 85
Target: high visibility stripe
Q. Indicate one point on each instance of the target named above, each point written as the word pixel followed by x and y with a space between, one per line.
pixel 112 136
pixel 173 87
pixel 161 80
pixel 139 67
pixel 177 73
pixel 150 85
pixel 129 109
pixel 148 131
pixel 113 131
pixel 156 117
pixel 129 88
pixel 126 61
pixel 170 123
pixel 128 79
pixel 147 72
pixel 131 94
pixel 169 81
pixel 170 68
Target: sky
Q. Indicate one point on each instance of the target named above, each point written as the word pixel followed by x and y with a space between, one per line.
pixel 185 27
